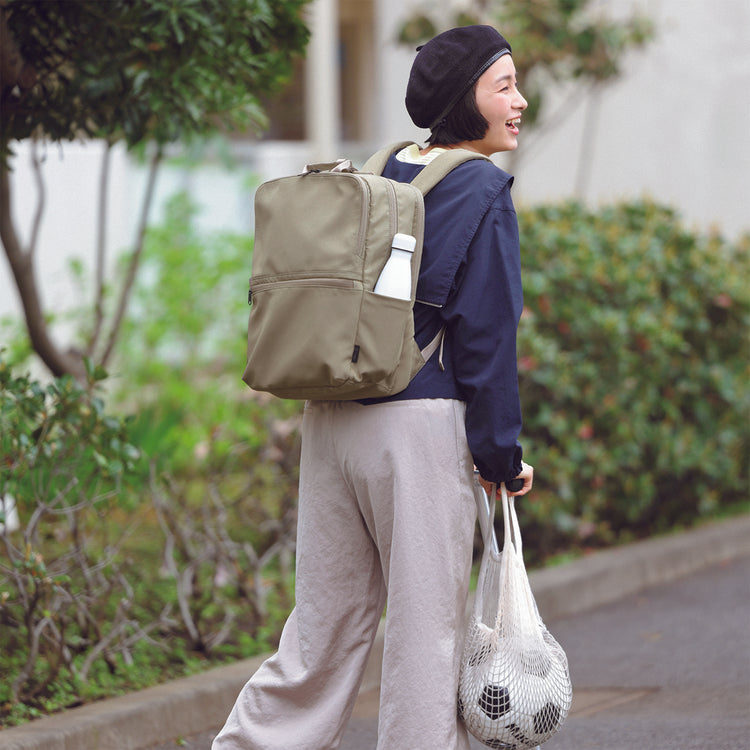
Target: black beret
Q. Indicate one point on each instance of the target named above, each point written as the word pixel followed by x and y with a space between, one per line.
pixel 446 67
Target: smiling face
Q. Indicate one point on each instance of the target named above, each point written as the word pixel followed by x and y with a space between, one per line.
pixel 500 102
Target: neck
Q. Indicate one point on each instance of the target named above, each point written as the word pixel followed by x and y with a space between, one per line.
pixel 466 145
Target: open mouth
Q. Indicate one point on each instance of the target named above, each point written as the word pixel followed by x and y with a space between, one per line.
pixel 513 125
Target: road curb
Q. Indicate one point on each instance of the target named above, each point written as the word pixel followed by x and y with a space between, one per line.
pixel 198 703
pixel 610 575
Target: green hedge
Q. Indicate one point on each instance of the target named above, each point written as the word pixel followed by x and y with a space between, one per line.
pixel 632 355
pixel 633 370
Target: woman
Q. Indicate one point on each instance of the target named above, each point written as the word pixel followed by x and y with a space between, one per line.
pixel 386 509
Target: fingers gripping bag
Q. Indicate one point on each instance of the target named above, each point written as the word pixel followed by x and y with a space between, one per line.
pixel 514 686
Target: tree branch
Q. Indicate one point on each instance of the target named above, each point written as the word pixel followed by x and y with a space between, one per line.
pixel 588 139
pixel 135 259
pixel 36 168
pixel 101 249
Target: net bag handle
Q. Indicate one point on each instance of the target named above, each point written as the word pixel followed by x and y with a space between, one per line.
pixel 494 561
pixel 485 516
pixel 486 512
pixel 510 522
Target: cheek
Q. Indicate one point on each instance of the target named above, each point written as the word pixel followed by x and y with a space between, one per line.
pixel 496 112
pixel 497 123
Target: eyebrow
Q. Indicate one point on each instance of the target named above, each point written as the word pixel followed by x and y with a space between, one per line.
pixel 500 79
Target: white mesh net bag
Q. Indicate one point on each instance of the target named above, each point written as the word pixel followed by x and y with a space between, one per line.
pixel 514 689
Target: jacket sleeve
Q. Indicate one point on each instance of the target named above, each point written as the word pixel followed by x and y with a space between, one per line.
pixel 482 315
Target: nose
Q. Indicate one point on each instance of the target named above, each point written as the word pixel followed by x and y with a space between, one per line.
pixel 520 102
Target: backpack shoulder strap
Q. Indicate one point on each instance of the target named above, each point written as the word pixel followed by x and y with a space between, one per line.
pixel 376 163
pixel 441 166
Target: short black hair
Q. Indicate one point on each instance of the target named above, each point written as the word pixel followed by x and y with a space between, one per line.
pixel 463 123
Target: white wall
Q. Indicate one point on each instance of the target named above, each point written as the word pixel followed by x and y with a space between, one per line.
pixel 68 230
pixel 674 126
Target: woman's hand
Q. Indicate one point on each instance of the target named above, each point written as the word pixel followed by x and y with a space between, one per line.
pixel 527 474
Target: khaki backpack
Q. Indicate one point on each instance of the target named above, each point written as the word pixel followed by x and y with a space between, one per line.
pixel 316 328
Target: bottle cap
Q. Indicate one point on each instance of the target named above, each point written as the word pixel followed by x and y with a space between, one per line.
pixel 404 242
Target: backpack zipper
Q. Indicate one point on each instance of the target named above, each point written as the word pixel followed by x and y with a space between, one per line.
pixel 362 234
pixel 365 206
pixel 392 207
pixel 321 282
pixel 392 211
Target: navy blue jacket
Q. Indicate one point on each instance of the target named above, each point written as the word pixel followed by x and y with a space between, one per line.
pixel 470 282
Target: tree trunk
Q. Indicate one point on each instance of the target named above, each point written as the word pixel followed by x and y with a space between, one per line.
pixel 22 266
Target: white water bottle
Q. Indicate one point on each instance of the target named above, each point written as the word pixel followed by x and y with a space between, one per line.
pixel 395 278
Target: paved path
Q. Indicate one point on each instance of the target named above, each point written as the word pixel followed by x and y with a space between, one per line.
pixel 667 669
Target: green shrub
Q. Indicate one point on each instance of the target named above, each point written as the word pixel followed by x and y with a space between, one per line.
pixel 225 459
pixel 633 371
pixel 65 601
pixel 112 577
pixel 630 355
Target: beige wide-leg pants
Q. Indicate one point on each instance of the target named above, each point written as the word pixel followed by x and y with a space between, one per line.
pixel 386 509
